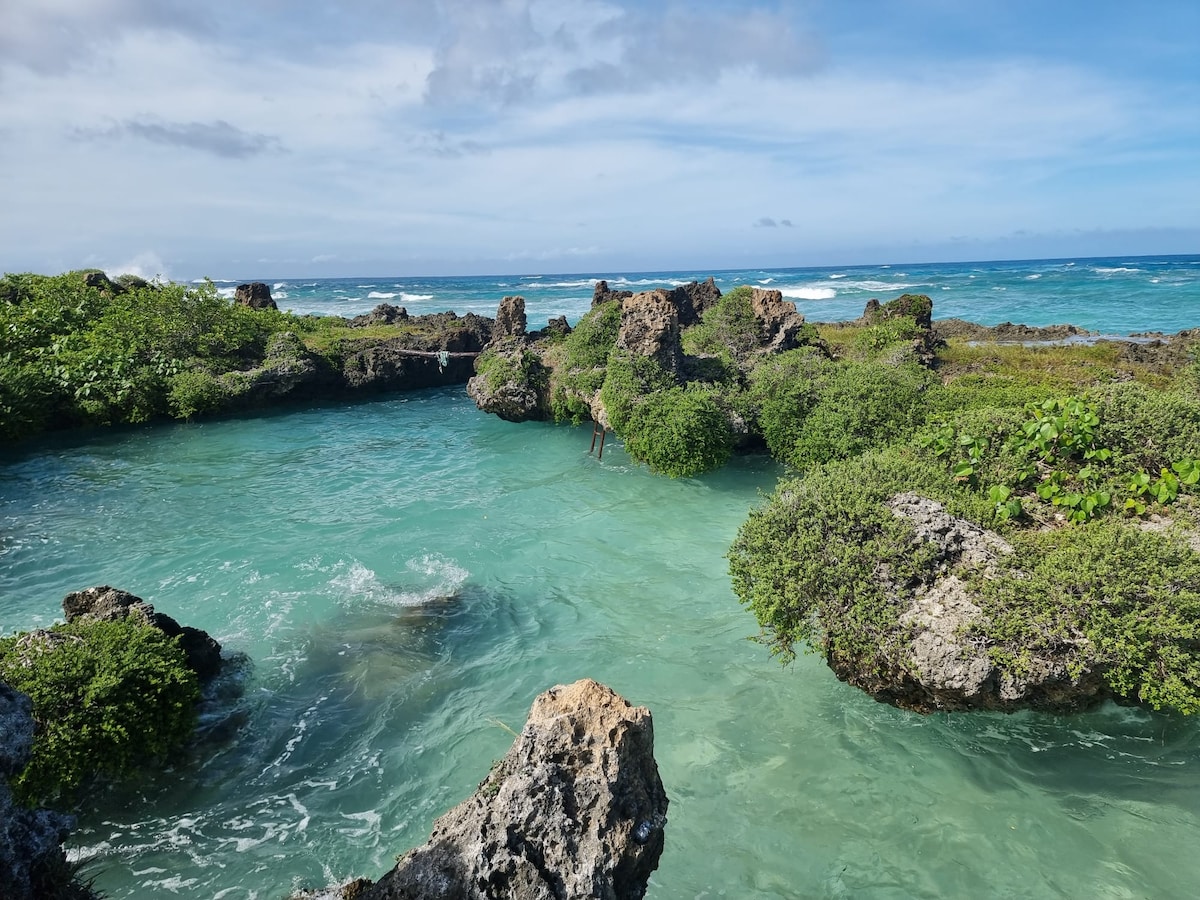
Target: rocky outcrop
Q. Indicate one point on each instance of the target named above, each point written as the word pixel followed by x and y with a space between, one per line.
pixel 383 314
pixel 108 604
pixel 511 382
pixel 256 295
pixel 693 299
pixel 574 810
pixel 510 318
pixel 650 327
pixel 782 327
pixel 913 306
pixel 33 865
pixel 602 294
pixel 1006 332
pixel 935 663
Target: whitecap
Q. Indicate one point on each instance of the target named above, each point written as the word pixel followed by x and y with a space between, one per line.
pixel 280 295
pixel 227 293
pixel 380 295
pixel 1034 277
pixel 873 285
pixel 280 285
pixel 365 285
pixel 1114 270
pixel 340 291
pixel 414 298
pixel 349 299
pixel 809 293
pixel 765 280
pixel 838 275
pixel 437 578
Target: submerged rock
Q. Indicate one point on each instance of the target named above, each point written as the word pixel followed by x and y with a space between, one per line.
pixel 575 809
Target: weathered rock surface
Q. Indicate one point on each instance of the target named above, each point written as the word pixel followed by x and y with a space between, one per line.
pixel 1005 331
pixel 915 306
pixel 510 318
pixel 782 326
pixel 602 294
pixel 383 314
pixel 256 295
pixel 514 399
pixel 32 862
pixel 575 810
pixel 935 665
pixel 109 604
pixel 650 327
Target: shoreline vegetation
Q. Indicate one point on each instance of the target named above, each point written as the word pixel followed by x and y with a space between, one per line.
pixel 973 518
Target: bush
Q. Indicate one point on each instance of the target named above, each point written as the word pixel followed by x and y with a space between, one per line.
pixel 1118 599
pixel 585 353
pixel 860 405
pixel 628 380
pixel 514 365
pixel 1148 428
pixel 194 392
pixel 728 329
pixel 808 562
pixel 680 432
pixel 106 696
pixel 783 390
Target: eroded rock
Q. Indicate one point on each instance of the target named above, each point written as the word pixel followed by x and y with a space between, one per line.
pixel 255 294
pixel 32 862
pixel 650 327
pixel 108 604
pixel 574 810
pixel 510 318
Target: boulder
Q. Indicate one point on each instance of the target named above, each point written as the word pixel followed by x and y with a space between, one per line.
pixel 510 318
pixel 32 862
pixel 557 327
pixel 383 314
pixel 650 327
pixel 256 295
pixel 782 326
pixel 934 664
pixel 574 810
pixel 109 604
pixel 916 306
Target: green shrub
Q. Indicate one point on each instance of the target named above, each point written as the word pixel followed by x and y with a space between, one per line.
pixel 628 380
pixel 584 354
pixel 860 405
pixel 887 331
pixel 106 696
pixel 728 329
pixel 1147 428
pixel 1114 598
pixel 783 390
pixel 194 392
pixel 680 432
pixel 808 563
pixel 512 365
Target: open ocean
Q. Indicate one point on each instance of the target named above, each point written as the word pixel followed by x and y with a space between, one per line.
pixel 1117 295
pixel 405 575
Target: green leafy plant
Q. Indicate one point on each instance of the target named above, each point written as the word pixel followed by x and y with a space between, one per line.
pixel 106 696
pixel 680 432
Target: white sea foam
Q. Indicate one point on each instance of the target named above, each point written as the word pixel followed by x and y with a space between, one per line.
pixel 214 280
pixel 414 298
pixel 340 291
pixel 279 285
pixel 1034 277
pixel 381 295
pixel 227 293
pixel 809 293
pixel 838 275
pixel 436 578
pixel 1114 270
pixel 280 295
pixel 765 280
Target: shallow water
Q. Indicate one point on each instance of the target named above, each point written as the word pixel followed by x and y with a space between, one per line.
pixel 406 576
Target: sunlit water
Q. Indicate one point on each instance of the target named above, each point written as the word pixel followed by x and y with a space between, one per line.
pixel 406 575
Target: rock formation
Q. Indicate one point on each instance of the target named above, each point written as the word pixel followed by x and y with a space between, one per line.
pixel 574 810
pixel 510 318
pixel 109 604
pixel 383 314
pixel 650 327
pixel 934 664
pixel 782 326
pixel 602 294
pixel 256 295
pixel 32 863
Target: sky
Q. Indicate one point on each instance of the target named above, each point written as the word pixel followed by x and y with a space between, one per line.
pixel 281 138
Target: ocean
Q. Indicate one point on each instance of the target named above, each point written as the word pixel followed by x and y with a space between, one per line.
pixel 406 575
pixel 1116 295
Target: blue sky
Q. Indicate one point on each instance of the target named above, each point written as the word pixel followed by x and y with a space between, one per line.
pixel 257 138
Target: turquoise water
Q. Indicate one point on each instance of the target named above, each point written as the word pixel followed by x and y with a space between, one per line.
pixel 1116 295
pixel 406 575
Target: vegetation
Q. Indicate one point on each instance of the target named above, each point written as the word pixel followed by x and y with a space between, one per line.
pixel 107 698
pixel 78 350
pixel 680 432
pixel 582 358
